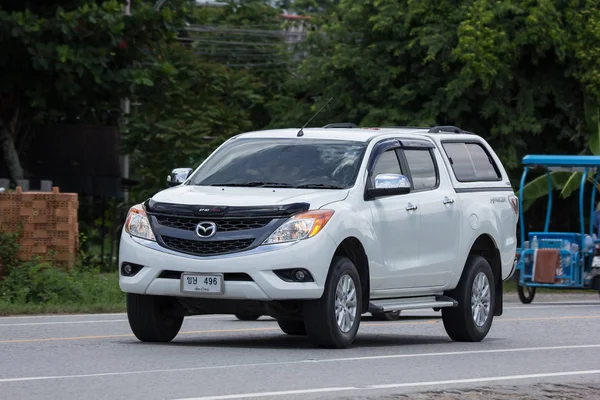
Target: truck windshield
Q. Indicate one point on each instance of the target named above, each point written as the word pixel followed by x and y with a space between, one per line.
pixel 282 162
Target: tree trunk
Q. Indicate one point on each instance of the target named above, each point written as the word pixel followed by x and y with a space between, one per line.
pixel 10 154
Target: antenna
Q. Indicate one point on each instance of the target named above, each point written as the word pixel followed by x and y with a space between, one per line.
pixel 301 132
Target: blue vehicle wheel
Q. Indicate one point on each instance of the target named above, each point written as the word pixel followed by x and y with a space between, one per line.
pixel 526 293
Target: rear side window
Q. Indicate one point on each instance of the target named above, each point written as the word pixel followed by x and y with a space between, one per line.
pixel 422 169
pixel 471 162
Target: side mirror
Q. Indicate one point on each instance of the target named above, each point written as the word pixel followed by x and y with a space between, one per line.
pixel 178 176
pixel 389 185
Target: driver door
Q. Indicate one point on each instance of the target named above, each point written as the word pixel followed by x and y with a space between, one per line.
pixel 396 223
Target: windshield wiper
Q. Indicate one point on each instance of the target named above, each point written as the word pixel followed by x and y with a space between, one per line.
pixel 254 184
pixel 319 186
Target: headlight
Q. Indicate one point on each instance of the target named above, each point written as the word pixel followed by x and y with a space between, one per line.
pixel 137 223
pixel 301 226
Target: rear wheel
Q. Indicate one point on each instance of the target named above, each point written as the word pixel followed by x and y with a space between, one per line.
pixel 526 293
pixel 333 320
pixel 472 319
pixel 387 316
pixel 153 318
pixel 247 316
pixel 291 327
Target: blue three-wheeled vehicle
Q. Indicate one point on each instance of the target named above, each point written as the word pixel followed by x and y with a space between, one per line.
pixel 563 260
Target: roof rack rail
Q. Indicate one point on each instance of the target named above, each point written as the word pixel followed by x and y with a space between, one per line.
pixel 447 128
pixel 341 125
pixel 407 127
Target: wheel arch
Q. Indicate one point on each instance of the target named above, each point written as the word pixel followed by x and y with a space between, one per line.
pixel 352 248
pixel 486 247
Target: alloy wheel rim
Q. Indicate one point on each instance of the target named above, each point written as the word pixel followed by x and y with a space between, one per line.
pixel 480 299
pixel 345 303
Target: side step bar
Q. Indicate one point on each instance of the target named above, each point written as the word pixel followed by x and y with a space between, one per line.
pixel 411 303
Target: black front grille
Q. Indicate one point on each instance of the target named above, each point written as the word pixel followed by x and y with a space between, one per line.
pixel 223 225
pixel 206 248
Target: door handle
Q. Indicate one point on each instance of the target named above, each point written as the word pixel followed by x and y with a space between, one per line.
pixel 448 200
pixel 410 207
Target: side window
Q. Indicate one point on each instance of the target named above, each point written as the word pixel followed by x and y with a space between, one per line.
pixel 471 162
pixel 387 164
pixel 422 169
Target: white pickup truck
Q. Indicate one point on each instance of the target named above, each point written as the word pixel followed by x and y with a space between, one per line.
pixel 319 226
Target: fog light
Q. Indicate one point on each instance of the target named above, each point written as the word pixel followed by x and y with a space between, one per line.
pixel 294 275
pixel 130 269
pixel 299 275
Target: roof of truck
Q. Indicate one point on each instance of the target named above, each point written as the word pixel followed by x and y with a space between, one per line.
pixel 355 134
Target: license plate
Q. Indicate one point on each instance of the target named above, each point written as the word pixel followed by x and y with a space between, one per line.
pixel 596 262
pixel 202 283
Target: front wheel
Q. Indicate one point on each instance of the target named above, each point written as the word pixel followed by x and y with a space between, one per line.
pixel 471 320
pixel 333 320
pixel 153 318
pixel 526 293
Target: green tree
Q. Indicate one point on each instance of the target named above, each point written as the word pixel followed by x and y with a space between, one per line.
pixel 513 71
pixel 191 107
pixel 246 36
pixel 566 182
pixel 584 19
pixel 72 60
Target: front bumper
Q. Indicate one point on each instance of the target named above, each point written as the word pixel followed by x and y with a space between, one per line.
pixel 314 254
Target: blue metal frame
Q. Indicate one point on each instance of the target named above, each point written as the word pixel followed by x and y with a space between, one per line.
pixel 561 161
pixel 573 270
pixel 593 201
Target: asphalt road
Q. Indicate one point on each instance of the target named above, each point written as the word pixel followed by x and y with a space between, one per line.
pixel 555 340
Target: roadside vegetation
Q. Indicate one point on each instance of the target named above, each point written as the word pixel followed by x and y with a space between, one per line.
pixel 40 287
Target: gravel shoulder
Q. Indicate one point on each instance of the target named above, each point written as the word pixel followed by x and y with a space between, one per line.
pixel 521 392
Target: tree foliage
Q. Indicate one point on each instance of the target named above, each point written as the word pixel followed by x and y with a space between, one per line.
pixel 71 60
pixel 514 71
pixel 246 36
pixel 190 108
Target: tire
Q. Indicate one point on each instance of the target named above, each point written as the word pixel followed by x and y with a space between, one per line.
pixel 526 293
pixel 291 327
pixel 153 318
pixel 459 321
pixel 247 316
pixel 387 316
pixel 320 315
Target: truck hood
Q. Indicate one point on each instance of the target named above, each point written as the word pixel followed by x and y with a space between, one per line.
pixel 248 196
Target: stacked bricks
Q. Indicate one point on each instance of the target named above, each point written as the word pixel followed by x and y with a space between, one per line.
pixel 48 224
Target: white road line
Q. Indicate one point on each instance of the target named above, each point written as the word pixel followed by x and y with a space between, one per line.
pixel 318 361
pixel 95 316
pixel 400 385
pixel 66 322
pixel 224 318
pixel 61 316
pixel 590 304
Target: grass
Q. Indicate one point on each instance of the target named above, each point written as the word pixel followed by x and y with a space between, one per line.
pixel 31 309
pixel 511 287
pixel 47 291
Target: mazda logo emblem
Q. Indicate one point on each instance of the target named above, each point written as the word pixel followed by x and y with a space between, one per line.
pixel 206 229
